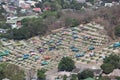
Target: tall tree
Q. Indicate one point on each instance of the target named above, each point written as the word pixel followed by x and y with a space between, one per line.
pixel 66 64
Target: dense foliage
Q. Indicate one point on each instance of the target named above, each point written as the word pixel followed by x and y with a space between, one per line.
pixel 117 31
pixel 114 60
pixel 60 4
pixel 104 78
pixel 71 22
pixel 73 77
pixel 66 64
pixel 110 63
pixel 11 71
pixel 2 13
pixel 107 68
pixel 41 74
pixel 3 25
pixel 85 74
pixel 64 77
pixel 31 27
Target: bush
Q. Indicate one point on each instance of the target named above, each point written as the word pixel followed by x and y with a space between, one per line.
pixel 11 71
pixel 31 27
pixel 85 74
pixel 71 22
pixel 66 64
pixel 114 60
pixel 73 77
pixel 117 31
pixel 104 78
pixel 107 68
pixel 41 74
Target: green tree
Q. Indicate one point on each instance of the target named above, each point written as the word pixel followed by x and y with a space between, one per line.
pixel 64 77
pixel 31 27
pixel 2 74
pixel 11 71
pixel 91 1
pixel 41 74
pixel 118 77
pixel 114 60
pixel 117 31
pixel 104 78
pixel 66 64
pixel 85 74
pixel 71 22
pixel 107 68
pixel 73 77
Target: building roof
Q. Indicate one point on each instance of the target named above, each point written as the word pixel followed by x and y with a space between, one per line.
pixel 37 9
pixel 19 19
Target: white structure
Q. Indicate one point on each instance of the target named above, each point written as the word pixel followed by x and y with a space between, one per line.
pixel 81 1
pixel 108 4
pixel 6 79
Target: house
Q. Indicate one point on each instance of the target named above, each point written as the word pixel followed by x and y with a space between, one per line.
pixel 15 22
pixel 37 9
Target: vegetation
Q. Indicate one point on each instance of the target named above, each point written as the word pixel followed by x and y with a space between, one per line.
pixel 104 78
pixel 64 77
pixel 118 77
pixel 110 63
pixel 91 1
pixel 107 68
pixel 85 74
pixel 3 25
pixel 31 27
pixel 71 22
pixel 41 74
pixel 60 4
pixel 117 31
pixel 114 60
pixel 2 12
pixel 64 13
pixel 73 77
pixel 66 64
pixel 11 71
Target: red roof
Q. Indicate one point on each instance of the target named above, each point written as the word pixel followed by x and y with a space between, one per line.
pixel 47 8
pixel 37 9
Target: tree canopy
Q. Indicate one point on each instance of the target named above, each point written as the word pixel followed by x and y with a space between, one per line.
pixel 117 31
pixel 41 74
pixel 114 60
pixel 30 27
pixel 73 77
pixel 85 74
pixel 107 68
pixel 110 63
pixel 60 4
pixel 11 71
pixel 66 64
